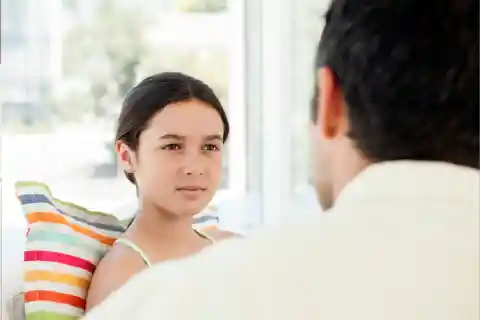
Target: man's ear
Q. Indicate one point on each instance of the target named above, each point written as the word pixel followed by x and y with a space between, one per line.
pixel 331 111
pixel 125 156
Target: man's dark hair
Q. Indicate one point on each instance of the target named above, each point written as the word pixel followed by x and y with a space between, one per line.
pixel 152 95
pixel 409 73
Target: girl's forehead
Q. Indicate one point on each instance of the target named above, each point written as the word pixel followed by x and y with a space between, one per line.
pixel 190 118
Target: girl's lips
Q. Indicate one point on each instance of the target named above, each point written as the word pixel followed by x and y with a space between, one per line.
pixel 191 188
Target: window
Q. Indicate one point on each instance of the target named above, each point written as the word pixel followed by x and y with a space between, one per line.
pixel 309 24
pixel 62 94
pixel 74 61
pixel 14 22
pixel 202 5
pixel 289 31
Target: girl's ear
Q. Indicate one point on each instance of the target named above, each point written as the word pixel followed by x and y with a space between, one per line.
pixel 126 156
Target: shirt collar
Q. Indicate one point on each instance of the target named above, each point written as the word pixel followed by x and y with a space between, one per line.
pixel 413 179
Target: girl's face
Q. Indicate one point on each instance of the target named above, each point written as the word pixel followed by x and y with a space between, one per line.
pixel 178 161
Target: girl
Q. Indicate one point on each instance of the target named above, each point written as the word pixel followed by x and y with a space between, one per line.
pixel 170 137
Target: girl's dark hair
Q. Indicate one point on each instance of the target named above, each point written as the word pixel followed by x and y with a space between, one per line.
pixel 155 93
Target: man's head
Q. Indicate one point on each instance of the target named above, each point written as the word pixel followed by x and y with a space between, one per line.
pixel 395 80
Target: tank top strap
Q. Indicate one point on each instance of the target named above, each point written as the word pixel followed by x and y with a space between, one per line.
pixel 204 235
pixel 134 247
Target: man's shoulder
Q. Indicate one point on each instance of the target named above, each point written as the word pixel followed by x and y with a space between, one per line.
pixel 265 260
pixel 268 245
pixel 268 260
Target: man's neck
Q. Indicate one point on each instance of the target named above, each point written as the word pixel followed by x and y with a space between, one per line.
pixel 347 166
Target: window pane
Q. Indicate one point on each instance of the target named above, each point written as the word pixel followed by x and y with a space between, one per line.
pixel 201 5
pixel 64 76
pixel 309 24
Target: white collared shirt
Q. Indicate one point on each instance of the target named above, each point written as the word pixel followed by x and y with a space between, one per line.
pixel 402 242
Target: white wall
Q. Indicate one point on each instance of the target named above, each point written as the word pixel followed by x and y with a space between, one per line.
pixel 11 261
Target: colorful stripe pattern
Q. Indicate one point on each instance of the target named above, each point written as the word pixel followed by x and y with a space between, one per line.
pixel 64 244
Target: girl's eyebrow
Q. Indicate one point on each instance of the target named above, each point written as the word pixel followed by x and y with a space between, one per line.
pixel 175 136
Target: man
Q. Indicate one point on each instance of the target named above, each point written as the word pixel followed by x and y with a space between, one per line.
pixel 396 129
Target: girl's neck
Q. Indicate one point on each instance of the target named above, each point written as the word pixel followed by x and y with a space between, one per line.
pixel 155 224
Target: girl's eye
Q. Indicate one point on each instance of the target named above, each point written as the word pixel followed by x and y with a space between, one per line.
pixel 172 146
pixel 211 147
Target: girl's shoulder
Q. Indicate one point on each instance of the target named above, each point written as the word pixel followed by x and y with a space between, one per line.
pixel 114 269
pixel 219 235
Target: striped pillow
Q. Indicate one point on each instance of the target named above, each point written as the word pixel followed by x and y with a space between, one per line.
pixel 64 244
